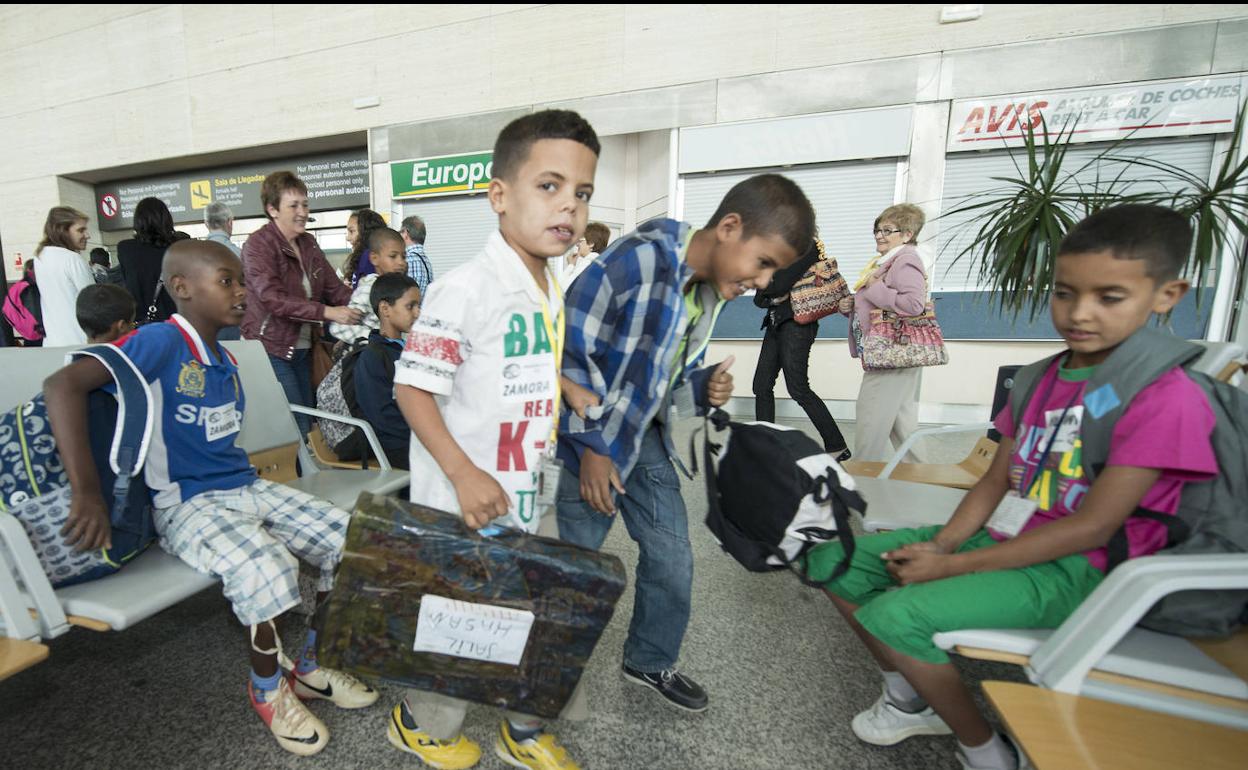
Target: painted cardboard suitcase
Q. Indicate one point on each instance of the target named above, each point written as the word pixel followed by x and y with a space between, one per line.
pixel 397 553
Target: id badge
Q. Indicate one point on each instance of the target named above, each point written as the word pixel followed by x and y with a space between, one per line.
pixel 1066 433
pixel 1012 514
pixel 221 422
pixel 682 402
pixel 548 481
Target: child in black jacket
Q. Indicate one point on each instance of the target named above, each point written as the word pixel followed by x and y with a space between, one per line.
pixel 395 298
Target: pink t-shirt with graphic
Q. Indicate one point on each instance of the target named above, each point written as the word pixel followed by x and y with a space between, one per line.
pixel 1167 426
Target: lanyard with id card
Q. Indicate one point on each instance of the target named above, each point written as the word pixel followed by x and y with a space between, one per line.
pixel 1017 507
pixel 551 466
pixel 683 404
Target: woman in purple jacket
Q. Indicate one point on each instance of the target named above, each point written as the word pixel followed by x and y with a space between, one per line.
pixel 291 288
pixel 888 401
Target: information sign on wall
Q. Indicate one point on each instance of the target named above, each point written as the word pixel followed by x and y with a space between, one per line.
pixel 442 175
pixel 335 181
pixel 1135 110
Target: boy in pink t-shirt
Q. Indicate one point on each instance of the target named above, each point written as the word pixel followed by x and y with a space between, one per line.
pixel 1028 543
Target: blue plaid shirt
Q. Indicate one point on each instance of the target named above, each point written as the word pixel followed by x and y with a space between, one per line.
pixel 418 266
pixel 625 320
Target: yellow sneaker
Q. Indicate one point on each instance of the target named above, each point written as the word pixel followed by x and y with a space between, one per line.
pixel 541 752
pixel 459 754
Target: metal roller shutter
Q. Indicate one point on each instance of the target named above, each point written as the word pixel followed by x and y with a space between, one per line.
pixel 458 227
pixel 847 198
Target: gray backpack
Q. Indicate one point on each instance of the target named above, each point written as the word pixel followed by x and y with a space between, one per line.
pixel 1212 515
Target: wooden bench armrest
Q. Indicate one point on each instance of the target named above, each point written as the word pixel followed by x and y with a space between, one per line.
pixel 1059 731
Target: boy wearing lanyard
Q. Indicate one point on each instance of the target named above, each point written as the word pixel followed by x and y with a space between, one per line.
pixel 639 322
pixel 478 383
pixel 1028 543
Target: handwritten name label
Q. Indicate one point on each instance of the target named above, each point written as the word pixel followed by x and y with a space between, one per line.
pixel 476 631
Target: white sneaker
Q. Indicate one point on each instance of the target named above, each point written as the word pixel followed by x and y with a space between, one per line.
pixel 294 727
pixel 341 689
pixel 1023 762
pixel 884 724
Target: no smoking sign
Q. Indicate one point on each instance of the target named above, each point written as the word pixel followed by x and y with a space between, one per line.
pixel 109 205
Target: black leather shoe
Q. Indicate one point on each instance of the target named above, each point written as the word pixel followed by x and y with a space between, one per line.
pixel 678 689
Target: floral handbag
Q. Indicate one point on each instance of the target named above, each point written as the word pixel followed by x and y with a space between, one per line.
pixel 819 291
pixel 897 342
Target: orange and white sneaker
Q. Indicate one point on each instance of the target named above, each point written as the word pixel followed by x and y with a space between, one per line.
pixel 541 752
pixel 296 729
pixel 337 687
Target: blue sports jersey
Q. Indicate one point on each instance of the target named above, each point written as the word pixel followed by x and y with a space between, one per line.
pixel 197 403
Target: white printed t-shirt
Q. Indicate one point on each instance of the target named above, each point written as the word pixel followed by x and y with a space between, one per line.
pixel 480 346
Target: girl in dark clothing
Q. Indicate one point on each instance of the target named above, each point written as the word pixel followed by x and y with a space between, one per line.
pixel 142 256
pixel 786 347
pixel 363 224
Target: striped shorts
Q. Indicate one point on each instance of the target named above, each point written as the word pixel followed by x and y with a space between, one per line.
pixel 250 537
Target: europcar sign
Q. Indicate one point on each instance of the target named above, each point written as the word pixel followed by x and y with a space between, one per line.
pixel 442 175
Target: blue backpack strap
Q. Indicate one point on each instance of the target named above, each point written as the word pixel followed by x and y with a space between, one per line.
pixel 135 415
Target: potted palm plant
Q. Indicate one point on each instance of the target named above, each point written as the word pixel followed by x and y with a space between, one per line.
pixel 1018 225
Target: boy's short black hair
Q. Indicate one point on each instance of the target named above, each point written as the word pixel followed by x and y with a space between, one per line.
pixel 101 305
pixel 99 256
pixel 389 288
pixel 770 204
pixel 511 148
pixel 381 235
pixel 1159 236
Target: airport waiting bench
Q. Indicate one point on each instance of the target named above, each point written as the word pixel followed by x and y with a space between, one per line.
pixel 31 610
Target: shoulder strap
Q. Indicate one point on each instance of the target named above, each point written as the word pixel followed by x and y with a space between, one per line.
pixel 1134 365
pixel 1025 382
pixel 133 435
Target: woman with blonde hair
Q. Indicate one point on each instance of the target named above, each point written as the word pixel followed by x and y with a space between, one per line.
pixel 888 400
pixel 62 273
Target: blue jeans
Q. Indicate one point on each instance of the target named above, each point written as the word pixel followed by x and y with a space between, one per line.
pixel 654 513
pixel 295 377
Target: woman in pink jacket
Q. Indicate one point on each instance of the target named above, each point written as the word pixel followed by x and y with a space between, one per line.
pixel 888 401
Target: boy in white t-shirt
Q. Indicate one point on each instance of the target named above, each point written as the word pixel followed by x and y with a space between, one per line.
pixel 385 251
pixel 478 383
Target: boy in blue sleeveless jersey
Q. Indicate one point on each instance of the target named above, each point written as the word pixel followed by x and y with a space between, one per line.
pixel 210 508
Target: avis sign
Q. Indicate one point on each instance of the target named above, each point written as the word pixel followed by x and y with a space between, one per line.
pixel 1139 110
pixel 443 175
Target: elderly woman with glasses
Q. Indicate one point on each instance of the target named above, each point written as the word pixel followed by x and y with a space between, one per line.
pixel 888 401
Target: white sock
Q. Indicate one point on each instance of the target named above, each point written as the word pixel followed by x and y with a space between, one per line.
pixel 901 693
pixel 993 755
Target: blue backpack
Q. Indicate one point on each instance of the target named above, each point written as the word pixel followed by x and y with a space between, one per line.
pixel 34 486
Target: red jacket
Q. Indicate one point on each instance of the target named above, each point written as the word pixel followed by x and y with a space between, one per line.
pixel 276 304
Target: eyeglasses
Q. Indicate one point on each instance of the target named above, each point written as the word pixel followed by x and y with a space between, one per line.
pixel 885 233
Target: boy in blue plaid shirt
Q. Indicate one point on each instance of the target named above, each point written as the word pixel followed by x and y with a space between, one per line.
pixel 210 509
pixel 639 322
